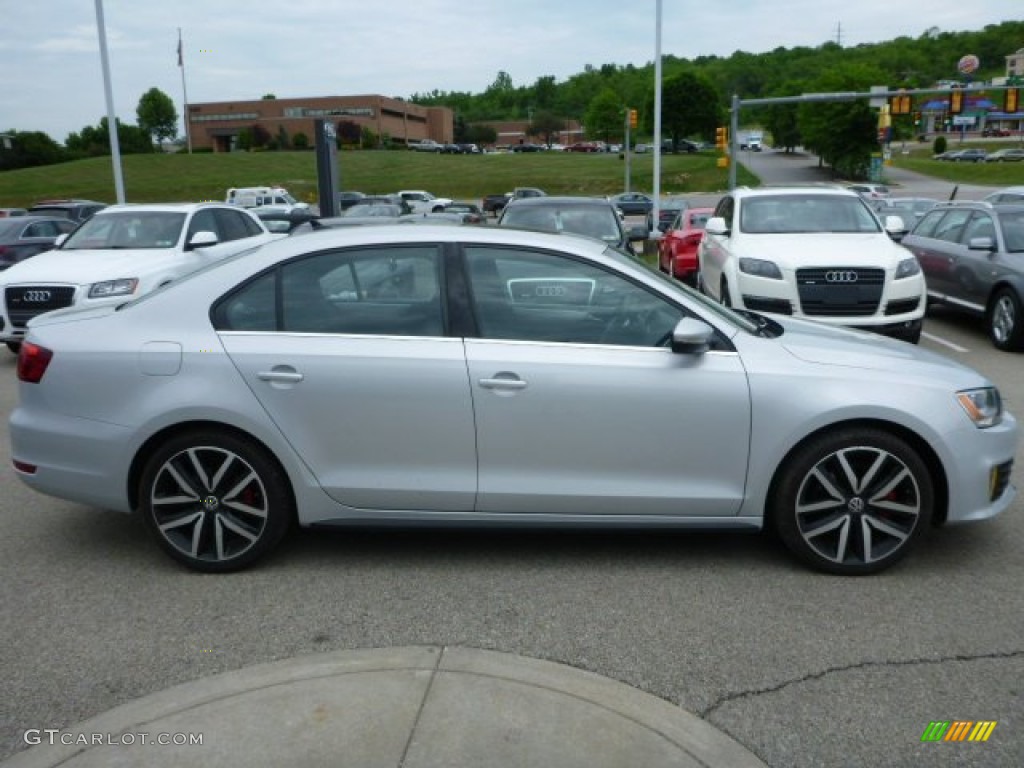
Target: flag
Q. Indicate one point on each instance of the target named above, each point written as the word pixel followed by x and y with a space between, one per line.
pixel 181 62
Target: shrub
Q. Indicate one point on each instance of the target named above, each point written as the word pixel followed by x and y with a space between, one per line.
pixel 939 145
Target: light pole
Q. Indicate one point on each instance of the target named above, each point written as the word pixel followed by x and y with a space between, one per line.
pixel 656 192
pixel 115 147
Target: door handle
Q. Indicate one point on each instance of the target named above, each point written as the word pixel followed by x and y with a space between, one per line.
pixel 502 383
pixel 289 377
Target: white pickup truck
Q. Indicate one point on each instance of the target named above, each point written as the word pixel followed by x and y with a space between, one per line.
pixel 423 202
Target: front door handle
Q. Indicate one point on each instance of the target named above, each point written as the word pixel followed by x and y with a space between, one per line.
pixel 503 383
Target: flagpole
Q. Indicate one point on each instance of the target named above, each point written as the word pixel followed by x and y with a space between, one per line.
pixel 115 146
pixel 184 93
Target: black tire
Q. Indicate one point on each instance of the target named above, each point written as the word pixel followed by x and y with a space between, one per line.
pixel 833 525
pixel 14 346
pixel 232 491
pixel 1004 321
pixel 911 335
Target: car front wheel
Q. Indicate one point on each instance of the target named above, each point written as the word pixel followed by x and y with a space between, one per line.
pixel 215 502
pixel 1004 321
pixel 852 502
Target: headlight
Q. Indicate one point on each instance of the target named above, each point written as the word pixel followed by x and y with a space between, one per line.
pixel 761 268
pixel 907 267
pixel 983 406
pixel 123 287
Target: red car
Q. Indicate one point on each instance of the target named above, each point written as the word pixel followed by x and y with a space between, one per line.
pixel 678 246
pixel 583 146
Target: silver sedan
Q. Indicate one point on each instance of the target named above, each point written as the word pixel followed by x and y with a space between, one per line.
pixel 470 376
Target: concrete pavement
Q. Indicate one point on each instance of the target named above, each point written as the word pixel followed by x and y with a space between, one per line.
pixel 413 707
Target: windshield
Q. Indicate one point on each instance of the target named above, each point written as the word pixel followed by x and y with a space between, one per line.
pixel 373 209
pixel 790 214
pixel 597 221
pixel 128 229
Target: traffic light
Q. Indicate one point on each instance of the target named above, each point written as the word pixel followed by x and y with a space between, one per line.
pixel 632 118
pixel 956 102
pixel 722 137
pixel 1012 100
pixel 900 105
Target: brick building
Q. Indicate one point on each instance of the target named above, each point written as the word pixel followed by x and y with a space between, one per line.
pixel 216 125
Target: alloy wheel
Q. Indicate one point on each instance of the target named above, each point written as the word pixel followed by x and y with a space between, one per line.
pixel 858 506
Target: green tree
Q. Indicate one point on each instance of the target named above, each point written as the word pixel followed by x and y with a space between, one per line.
pixel 300 141
pixel 157 116
pixel 783 120
pixel 28 149
pixel 546 125
pixel 94 140
pixel 605 117
pixel 690 106
pixel 842 133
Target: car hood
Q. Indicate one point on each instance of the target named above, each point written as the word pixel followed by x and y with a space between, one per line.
pixel 88 266
pixel 822 344
pixel 825 250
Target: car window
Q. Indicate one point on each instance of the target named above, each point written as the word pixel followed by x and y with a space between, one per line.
pixel 128 229
pixel 388 291
pixel 202 221
pixel 1013 231
pixel 952 225
pixel 926 227
pixel 725 209
pixel 539 296
pixel 980 225
pixel 41 229
pixel 230 224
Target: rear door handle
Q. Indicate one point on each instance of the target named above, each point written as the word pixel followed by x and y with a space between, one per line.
pixel 287 376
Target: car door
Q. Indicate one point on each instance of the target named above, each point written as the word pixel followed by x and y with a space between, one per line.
pixel 579 408
pixel 936 244
pixel 352 363
pixel 976 270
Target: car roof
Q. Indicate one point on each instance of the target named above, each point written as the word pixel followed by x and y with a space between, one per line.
pixel 803 189
pixel 553 200
pixel 166 207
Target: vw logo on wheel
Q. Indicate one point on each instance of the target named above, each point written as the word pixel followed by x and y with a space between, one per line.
pixel 841 276
pixel 36 296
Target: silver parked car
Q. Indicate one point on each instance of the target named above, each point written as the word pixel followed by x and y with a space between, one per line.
pixel 490 376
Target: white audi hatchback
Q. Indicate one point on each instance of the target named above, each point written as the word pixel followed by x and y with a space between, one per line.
pixel 447 375
pixel 120 253
pixel 815 252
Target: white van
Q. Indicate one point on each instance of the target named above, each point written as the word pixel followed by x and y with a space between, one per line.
pixel 265 199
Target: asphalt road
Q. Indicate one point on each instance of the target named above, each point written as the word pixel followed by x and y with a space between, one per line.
pixel 804 669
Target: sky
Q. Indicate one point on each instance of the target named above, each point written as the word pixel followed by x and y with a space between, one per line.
pixel 53 80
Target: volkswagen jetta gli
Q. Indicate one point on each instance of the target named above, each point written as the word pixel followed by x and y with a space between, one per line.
pixel 466 376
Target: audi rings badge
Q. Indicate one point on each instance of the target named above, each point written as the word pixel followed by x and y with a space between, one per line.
pixel 36 297
pixel 550 291
pixel 841 276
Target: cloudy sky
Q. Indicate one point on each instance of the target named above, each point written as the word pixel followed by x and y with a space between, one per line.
pixel 52 77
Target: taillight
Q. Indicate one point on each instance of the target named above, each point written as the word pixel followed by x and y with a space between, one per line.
pixel 32 362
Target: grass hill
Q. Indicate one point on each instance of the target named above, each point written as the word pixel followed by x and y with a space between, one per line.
pixel 203 176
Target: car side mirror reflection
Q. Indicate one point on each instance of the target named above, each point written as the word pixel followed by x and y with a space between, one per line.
pixel 202 239
pixel 691 337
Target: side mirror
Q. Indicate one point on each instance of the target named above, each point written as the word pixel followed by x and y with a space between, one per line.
pixel 894 225
pixel 716 226
pixel 981 244
pixel 637 233
pixel 60 240
pixel 691 337
pixel 202 239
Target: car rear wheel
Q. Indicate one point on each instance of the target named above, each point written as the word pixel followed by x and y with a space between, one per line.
pixel 852 502
pixel 215 502
pixel 1004 321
